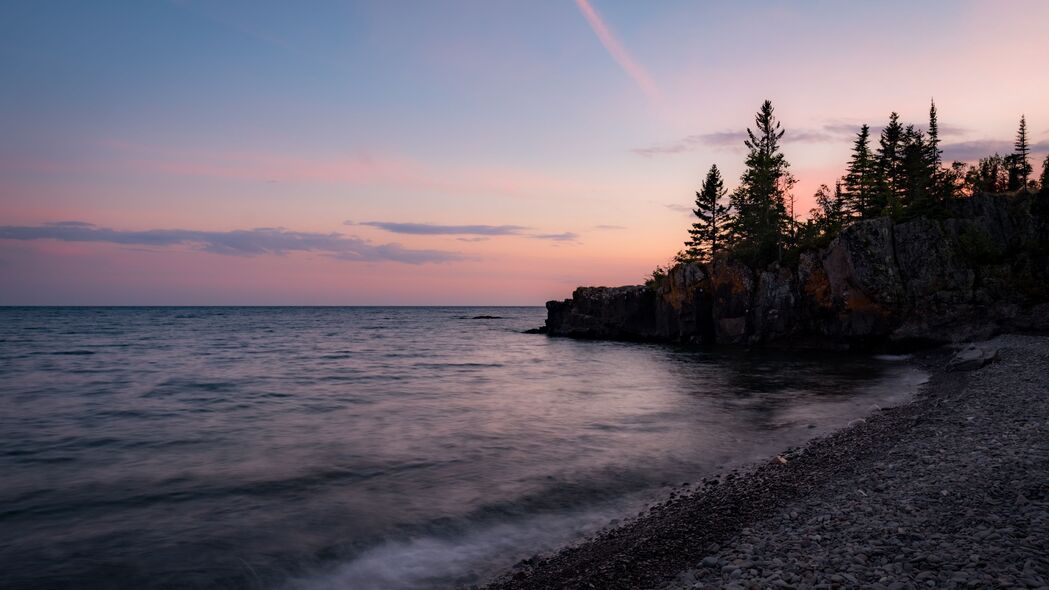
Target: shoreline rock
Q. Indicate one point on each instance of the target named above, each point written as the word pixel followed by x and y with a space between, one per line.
pixel 982 270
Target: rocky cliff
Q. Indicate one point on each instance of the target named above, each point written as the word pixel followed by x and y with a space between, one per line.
pixel 981 269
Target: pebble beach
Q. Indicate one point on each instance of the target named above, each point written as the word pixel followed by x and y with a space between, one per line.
pixel 950 490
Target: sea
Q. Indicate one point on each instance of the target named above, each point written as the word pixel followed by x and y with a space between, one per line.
pixel 366 448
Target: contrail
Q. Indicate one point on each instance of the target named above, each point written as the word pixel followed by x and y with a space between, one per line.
pixel 618 52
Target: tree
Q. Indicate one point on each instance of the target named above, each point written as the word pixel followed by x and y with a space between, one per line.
pixel 758 202
pixel 890 164
pixel 828 215
pixel 916 172
pixel 1045 176
pixel 1013 172
pixel 861 183
pixel 1019 166
pixel 933 135
pixel 988 176
pixel 709 233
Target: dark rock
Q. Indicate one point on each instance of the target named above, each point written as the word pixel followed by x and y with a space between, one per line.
pixel 972 357
pixel 967 277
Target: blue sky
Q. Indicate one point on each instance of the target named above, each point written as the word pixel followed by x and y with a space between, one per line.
pixel 233 116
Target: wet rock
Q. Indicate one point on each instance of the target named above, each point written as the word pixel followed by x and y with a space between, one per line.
pixel 972 357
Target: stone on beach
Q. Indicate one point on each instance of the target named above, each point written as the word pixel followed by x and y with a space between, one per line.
pixel 972 357
pixel 947 491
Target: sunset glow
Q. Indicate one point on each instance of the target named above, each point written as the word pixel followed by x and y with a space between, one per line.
pixel 229 152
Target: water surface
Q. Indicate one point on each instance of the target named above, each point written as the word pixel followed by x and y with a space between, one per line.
pixel 363 448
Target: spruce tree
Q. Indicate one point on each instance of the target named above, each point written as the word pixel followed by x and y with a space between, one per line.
pixel 861 184
pixel 1045 176
pixel 1013 172
pixel 916 175
pixel 760 213
pixel 890 165
pixel 933 137
pixel 709 233
pixel 1021 167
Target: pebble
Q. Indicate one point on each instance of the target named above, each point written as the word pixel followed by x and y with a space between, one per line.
pixel 974 496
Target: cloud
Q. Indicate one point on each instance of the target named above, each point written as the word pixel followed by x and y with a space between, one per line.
pixel 850 129
pixel 969 151
pixel 678 208
pixel 691 142
pixel 617 51
pixel 609 227
pixel 831 132
pixel 729 139
pixel 250 242
pixel 561 237
pixel 433 229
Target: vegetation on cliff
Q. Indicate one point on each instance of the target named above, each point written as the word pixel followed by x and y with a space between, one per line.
pixel 903 178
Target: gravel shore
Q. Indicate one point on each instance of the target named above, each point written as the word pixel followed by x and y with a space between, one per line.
pixel 948 491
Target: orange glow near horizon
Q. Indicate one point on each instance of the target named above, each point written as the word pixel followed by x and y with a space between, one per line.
pixel 502 156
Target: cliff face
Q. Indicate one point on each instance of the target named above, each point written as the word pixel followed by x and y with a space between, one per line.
pixel 983 268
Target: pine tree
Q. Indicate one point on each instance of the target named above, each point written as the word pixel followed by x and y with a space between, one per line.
pixel 861 183
pixel 933 137
pixel 1020 166
pixel 890 165
pixel 916 175
pixel 1013 172
pixel 1045 176
pixel 760 213
pixel 709 233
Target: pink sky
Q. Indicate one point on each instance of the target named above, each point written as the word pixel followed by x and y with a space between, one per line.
pixel 530 148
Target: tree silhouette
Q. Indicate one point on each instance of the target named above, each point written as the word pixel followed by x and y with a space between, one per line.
pixel 758 202
pixel 1045 176
pixel 933 137
pixel 989 175
pixel 1020 168
pixel 828 215
pixel 709 233
pixel 917 169
pixel 861 182
pixel 890 165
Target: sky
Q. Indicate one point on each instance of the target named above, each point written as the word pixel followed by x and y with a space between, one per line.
pixel 446 153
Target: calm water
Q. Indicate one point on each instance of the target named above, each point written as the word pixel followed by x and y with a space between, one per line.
pixel 362 448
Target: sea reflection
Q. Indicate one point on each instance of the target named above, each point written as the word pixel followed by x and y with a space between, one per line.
pixel 363 447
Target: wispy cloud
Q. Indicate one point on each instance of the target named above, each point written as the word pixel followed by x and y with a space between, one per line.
pixel 969 151
pixel 433 229
pixel 835 131
pixel 249 242
pixel 617 51
pixel 609 227
pixel 561 237
pixel 727 140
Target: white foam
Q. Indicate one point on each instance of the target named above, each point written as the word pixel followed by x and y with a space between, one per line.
pixel 428 562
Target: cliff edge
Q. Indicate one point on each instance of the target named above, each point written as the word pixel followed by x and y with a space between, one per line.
pixel 982 268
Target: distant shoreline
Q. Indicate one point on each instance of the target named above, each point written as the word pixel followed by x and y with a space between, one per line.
pixel 708 535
